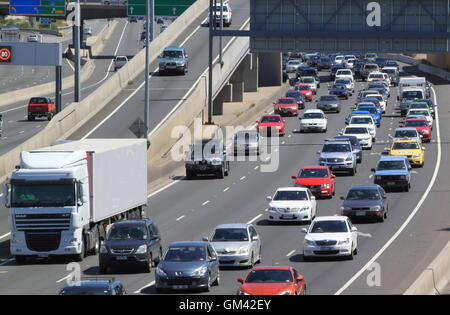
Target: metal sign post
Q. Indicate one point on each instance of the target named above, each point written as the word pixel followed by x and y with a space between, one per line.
pixel 210 64
pixel 147 67
pixel 77 51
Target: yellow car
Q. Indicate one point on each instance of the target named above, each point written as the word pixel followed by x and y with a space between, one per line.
pixel 409 148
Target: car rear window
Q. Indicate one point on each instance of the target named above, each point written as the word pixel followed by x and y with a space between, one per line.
pixel 38 100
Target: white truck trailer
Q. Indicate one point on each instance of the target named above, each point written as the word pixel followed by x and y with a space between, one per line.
pixel 62 197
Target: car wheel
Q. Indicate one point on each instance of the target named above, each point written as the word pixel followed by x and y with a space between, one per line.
pixel 259 257
pixel 208 284
pixel 350 257
pixel 227 172
pixel 221 173
pixel 355 252
pixel 217 281
pixel 148 266
pixel 189 174
pixel 31 118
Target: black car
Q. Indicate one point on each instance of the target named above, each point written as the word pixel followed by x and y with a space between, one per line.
pixel 131 242
pixel 187 266
pixel 314 61
pixel 324 63
pixel 381 62
pixel 334 69
pixel 357 69
pixel 357 149
pixel 298 97
pixel 365 201
pixel 94 287
pixel 307 72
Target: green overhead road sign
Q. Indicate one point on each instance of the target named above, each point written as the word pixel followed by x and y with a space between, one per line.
pixel 162 7
pixel 137 7
pixel 53 7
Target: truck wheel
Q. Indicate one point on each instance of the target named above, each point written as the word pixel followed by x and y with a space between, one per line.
pixel 94 251
pixel 30 118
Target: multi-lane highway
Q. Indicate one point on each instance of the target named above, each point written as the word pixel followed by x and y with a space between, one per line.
pixel 202 204
pixel 124 41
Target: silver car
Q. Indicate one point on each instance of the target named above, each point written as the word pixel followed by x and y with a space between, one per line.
pixel 292 65
pixel 247 142
pixel 311 81
pixel 236 244
pixel 338 155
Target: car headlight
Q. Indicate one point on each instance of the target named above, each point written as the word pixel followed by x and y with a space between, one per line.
pixel 243 251
pixel 310 242
pixel 242 293
pixel 325 186
pixel 200 271
pixel 160 272
pixel 142 249
pixel 287 292
pixel 180 63
pixel 426 131
pixel 349 159
pixel 322 159
pixel 272 209
pixel 402 177
pixel 375 208
pixel 346 208
pixel 344 242
pixel 103 250
pixel 417 155
pixel 300 209
pixel 378 177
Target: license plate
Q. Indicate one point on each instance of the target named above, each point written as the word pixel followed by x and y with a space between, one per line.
pixel 43 255
pixel 180 287
pixel 122 257
pixel 360 213
pixel 288 216
pixel 334 166
pixel 326 248
pixel 390 183
pixel 203 167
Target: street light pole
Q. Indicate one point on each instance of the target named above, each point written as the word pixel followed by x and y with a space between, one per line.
pixel 77 51
pixel 147 67
pixel 210 63
pixel 220 37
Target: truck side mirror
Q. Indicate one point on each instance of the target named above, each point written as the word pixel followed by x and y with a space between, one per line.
pixel 6 195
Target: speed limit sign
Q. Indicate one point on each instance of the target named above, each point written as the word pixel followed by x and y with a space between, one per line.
pixel 5 53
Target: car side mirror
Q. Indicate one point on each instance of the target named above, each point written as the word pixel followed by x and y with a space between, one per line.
pixel 372 170
pixel 294 177
pixel 354 229
pixel 160 56
pixel 101 238
pixel 240 280
pixel 205 239
pixel 304 230
pixel 313 198
pixel 268 198
pixel 213 259
pixel 333 176
pixel 342 198
pixel 318 152
pixel 423 148
pixel 6 195
pixel 255 238
pixel 300 279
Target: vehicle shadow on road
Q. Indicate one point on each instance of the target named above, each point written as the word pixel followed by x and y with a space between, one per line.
pixel 300 259
pixel 128 270
pixel 266 222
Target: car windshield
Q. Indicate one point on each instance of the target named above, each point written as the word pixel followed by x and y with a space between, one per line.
pixel 270 119
pixel 313 173
pixel 416 123
pixel 343 81
pixel 38 100
pixel 185 253
pixel 173 54
pixel 328 98
pixel 355 131
pixel 371 110
pixel 405 134
pixel 339 86
pixel 391 165
pixel 312 116
pixel 303 87
pixel 370 67
pixel 286 101
pixel 389 71
pixel 127 232
pixel 336 147
pixel 376 76
pixel 290 195
pixel 361 121
pixel 293 94
pixel 293 62
pixel 418 105
pixel 412 94
pixel 419 112
pixel 39 194
pixel 363 194
pixel 344 72
pixel 329 227
pixel 308 80
pixel 269 276
pixel 217 8
pixel 230 235
pixel 405 146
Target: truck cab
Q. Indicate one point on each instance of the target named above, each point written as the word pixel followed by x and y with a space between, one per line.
pixel 393 172
pixel 41 107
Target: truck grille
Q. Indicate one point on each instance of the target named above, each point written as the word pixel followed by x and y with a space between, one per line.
pixel 26 222
pixel 43 241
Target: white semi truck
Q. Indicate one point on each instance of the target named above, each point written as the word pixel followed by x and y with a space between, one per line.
pixel 63 197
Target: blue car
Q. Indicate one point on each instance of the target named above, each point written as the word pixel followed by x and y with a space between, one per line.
pixel 393 172
pixel 373 110
pixel 298 96
pixel 340 90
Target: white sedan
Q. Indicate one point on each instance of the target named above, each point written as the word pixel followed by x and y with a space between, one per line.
pixel 292 204
pixel 313 120
pixel 363 135
pixel 330 236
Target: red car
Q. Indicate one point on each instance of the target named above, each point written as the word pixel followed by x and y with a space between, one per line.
pixel 271 125
pixel 319 180
pixel 421 126
pixel 305 89
pixel 286 106
pixel 272 281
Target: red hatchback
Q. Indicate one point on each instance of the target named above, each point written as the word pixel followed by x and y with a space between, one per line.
pixel 421 126
pixel 319 180
pixel 271 125
pixel 272 281
pixel 286 106
pixel 305 89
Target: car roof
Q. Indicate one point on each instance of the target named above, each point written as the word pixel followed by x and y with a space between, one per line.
pixel 271 116
pixel 232 226
pixel 406 128
pixel 174 48
pixel 312 110
pixel 314 167
pixel 401 140
pixel 393 158
pixel 100 284
pixel 364 187
pixel 188 243
pixel 272 268
pixel 292 188
pixel 132 222
pixel 331 218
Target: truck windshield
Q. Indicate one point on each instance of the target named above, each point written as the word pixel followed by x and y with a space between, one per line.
pixel 42 195
pixel 410 95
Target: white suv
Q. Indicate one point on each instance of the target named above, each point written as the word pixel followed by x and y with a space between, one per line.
pixel 330 236
pixel 364 121
pixel 292 204
pixel 227 14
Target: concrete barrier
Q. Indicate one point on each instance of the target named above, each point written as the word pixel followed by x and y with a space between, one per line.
pixel 435 277
pixel 48 88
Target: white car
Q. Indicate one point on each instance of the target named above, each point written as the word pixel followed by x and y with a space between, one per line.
pixel 364 121
pixel 313 120
pixel 379 76
pixel 362 133
pixel 421 112
pixel 380 99
pixel 344 73
pixel 226 11
pixel 410 133
pixel 348 82
pixel 292 65
pixel 350 63
pixel 292 204
pixel 339 59
pixel 330 236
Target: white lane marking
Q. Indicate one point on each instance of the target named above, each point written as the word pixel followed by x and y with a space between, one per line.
pixel 410 217
pixel 205 203
pixel 289 136
pixel 178 219
pixel 254 219
pixel 143 83
pixel 5 235
pixel 256 167
pixel 242 178
pixel 371 176
pixel 70 65
pixel 62 279
pixel 2 272
pixel 226 189
pixel 146 286
pixel 163 188
pixel 290 253
pixel 7 261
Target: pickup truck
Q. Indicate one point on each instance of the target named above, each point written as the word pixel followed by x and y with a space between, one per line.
pixel 393 172
pixel 119 62
pixel 41 107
